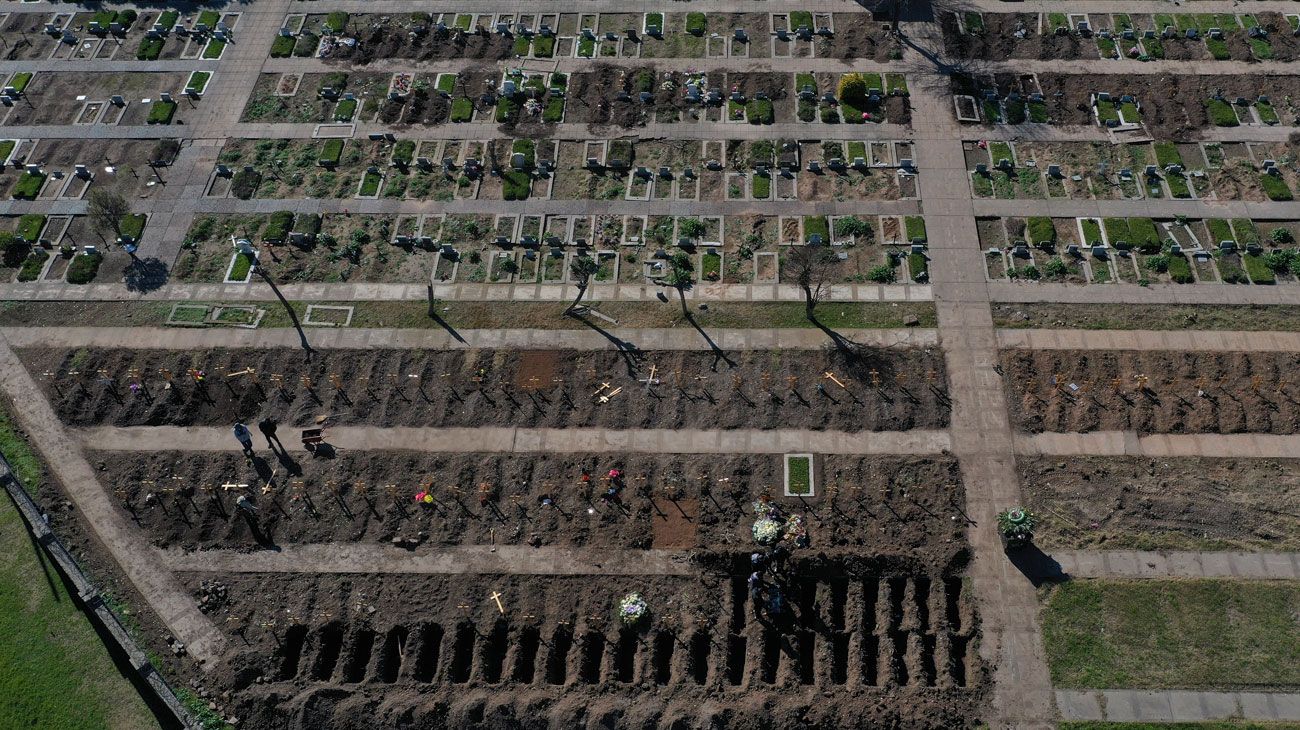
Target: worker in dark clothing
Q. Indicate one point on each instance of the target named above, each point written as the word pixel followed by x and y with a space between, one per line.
pixel 267 427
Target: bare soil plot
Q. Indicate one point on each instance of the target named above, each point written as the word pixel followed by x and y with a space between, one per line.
pixel 1244 392
pixel 476 388
pixel 1116 503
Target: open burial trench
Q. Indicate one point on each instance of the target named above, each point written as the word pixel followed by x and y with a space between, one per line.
pixel 896 389
pixel 849 634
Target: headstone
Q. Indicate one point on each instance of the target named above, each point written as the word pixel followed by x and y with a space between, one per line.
pixel 1227 246
pixel 1054 172
pixel 814 166
pixel 804 33
pixel 51 29
pixel 284 32
pixel 1192 34
pixel 741 36
pixel 783 35
pixel 713 165
pixel 503 29
pixel 1099 252
pixel 32 169
pixel 223 171
pixel 588 34
pixel 81 171
pixel 593 163
pixel 165 97
pixel 518 161
pixel 688 173
pixel 665 173
pixel 981 168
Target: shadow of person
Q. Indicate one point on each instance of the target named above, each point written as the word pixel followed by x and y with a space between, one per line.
pixel 322 450
pixel 1037 566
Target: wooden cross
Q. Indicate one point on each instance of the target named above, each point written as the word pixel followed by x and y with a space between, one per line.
pixel 612 393
pixel 497 597
pixel 650 379
pixel 831 377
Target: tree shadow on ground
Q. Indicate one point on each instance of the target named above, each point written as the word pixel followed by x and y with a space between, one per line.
pixel 145 275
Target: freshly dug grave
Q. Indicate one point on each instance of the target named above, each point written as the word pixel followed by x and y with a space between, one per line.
pixel 858 35
pixel 867 643
pixel 544 388
pixel 998 41
pixel 1243 391
pixel 1116 502
pixel 895 504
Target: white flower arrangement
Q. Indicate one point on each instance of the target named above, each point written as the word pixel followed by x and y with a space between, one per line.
pixel 766 531
pixel 632 608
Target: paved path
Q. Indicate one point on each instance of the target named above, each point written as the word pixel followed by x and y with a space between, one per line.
pixel 538 440
pixel 981 431
pixel 1175 564
pixel 127 545
pixel 488 560
pixel 1130 443
pixel 174 338
pixel 1121 705
pixel 351 292
pixel 1184 340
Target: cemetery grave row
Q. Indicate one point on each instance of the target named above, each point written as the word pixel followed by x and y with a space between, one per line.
pixel 362 38
pixel 1141 250
pixel 184 499
pixel 872 629
pixel 1263 36
pixel 50 248
pixel 145 35
pixel 1151 391
pixel 1250 171
pixel 540 249
pixel 68 169
pixel 503 169
pixel 123 99
pixel 630 96
pixel 903 389
pixel 1165 106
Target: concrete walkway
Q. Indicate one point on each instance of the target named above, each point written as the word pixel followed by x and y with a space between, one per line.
pixel 1125 705
pixel 1176 564
pixel 1180 340
pixel 1130 443
pixel 127 545
pixel 644 340
pixel 484 559
pixel 538 440
pixel 257 292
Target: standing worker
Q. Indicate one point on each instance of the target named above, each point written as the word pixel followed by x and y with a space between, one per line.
pixel 245 438
pixel 267 427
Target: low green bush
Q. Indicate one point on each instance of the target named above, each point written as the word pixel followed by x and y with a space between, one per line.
pixel 132 226
pixel 1275 187
pixel 462 110
pixel 882 274
pixel 336 21
pixel 370 184
pixel 33 265
pixel 29 186
pixel 1180 269
pixel 168 19
pixel 345 110
pixel 29 227
pixel 84 267
pixel 515 185
pixel 306 45
pixel 278 227
pixel 919 265
pixel 244 184
pixel 1258 269
pixel 161 112
pixel 696 23
pixel 331 153
pixel 553 113
pixel 282 47
pixel 404 152
pixel 150 49
pixel 1041 229
pixel 759 111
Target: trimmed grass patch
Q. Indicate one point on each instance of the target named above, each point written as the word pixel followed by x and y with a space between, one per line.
pixel 161 112
pixel 1156 634
pixel 84 267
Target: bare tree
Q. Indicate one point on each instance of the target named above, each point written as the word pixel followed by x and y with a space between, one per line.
pixel 107 209
pixel 581 268
pixel 681 276
pixel 814 269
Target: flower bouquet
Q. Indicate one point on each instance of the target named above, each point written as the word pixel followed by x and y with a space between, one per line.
pixel 632 608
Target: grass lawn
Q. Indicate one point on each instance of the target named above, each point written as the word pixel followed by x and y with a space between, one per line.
pixel 54 671
pixel 800 481
pixel 1158 634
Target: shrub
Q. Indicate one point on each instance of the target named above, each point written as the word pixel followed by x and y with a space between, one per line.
pixel 882 274
pixel 307 224
pixel 84 267
pixel 1041 229
pixel 336 21
pixel 306 45
pixel 278 227
pixel 33 265
pixel 404 152
pixel 1158 263
pixel 331 152
pixel 915 227
pixel 151 48
pixel 282 47
pixel 1281 235
pixel 1280 261
pixel 161 112
pixel 851 225
pixel 345 110
pixel 132 227
pixel 1259 270
pixel 691 227
pixel 29 227
pixel 554 111
pixel 1275 187
pixel 919 265
pixel 515 185
pixel 1180 270
pixel 29 186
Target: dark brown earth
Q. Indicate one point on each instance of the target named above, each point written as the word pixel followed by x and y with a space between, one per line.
pixel 487 387
pixel 1114 503
pixel 1241 391
pixel 870 643
pixel 905 505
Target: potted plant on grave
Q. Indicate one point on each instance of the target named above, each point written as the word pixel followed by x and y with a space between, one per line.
pixel 1016 528
pixel 632 608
